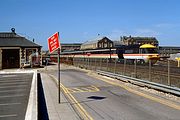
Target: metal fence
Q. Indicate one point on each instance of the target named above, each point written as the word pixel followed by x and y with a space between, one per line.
pixel 163 72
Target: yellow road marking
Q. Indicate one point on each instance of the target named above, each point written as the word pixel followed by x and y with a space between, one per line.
pixel 77 89
pixel 162 101
pixel 70 90
pixel 83 89
pixel 78 106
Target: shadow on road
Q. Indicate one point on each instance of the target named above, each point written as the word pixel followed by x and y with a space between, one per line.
pixel 96 97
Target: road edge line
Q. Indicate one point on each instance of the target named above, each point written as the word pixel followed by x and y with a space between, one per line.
pixel 80 109
pixel 164 102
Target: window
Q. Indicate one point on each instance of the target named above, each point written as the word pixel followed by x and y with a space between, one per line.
pixel 110 44
pixel 149 50
pixel 105 45
pixel 128 51
pixel 100 45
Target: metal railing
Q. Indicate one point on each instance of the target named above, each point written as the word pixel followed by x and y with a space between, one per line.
pixel 163 72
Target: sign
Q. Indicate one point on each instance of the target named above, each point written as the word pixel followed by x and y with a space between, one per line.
pixel 53 42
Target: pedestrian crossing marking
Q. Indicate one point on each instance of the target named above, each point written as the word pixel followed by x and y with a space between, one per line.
pixel 83 89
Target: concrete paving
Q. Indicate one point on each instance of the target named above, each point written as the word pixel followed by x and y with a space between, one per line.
pixel 56 111
pixel 14 95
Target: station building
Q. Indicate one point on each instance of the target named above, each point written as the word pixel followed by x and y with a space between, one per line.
pixel 17 51
pixel 98 43
pixel 167 51
pixel 70 46
pixel 139 40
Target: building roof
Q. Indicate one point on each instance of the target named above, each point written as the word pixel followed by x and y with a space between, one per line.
pixel 169 47
pixel 10 39
pixel 71 44
pixel 139 38
pixel 95 40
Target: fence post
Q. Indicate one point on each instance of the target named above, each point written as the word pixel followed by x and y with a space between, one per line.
pixel 115 66
pixel 95 65
pixel 124 70
pixel 68 62
pixel 107 65
pixel 135 68
pixel 100 63
pixel 169 79
pixel 76 62
pixel 84 63
pixel 149 69
pixel 73 60
pixel 89 60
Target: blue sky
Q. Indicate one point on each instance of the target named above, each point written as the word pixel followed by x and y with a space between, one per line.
pixel 80 20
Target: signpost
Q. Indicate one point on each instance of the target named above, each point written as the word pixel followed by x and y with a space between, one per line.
pixel 54 44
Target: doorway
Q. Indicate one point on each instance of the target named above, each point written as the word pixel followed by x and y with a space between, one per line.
pixel 10 58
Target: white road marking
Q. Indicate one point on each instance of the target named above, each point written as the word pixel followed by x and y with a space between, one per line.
pixel 13 83
pixel 11 115
pixel 8 75
pixel 12 96
pixel 7 81
pixel 6 104
pixel 14 86
pixel 3 91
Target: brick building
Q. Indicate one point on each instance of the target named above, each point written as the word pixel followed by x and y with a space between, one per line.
pixel 17 51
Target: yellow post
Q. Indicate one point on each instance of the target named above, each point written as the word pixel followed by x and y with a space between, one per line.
pixel 178 59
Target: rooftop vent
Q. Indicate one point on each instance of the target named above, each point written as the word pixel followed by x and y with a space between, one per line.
pixel 13 30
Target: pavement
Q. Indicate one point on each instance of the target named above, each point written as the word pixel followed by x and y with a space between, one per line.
pixel 56 110
pixel 17 98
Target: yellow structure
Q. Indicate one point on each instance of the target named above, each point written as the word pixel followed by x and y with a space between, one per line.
pixel 178 59
pixel 147 46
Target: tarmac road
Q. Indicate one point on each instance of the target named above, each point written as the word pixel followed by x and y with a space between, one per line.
pixel 14 94
pixel 98 100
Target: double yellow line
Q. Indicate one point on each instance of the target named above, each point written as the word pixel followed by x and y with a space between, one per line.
pixel 83 113
pixel 162 101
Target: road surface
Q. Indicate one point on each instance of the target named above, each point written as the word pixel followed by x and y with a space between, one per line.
pixel 101 100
